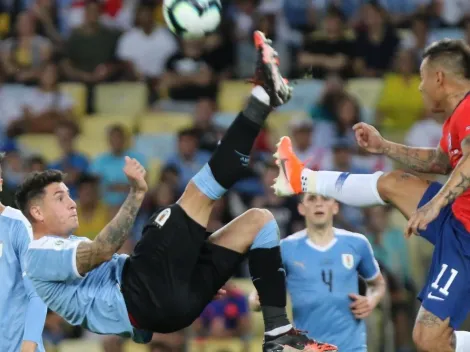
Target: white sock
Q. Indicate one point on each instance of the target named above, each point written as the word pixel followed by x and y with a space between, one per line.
pixel 259 93
pixel 279 331
pixel 463 341
pixel 351 189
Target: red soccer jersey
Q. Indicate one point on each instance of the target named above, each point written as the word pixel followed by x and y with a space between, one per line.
pixel 455 129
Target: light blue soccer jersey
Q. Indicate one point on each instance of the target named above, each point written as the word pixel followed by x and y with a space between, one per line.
pixel 319 281
pixel 22 313
pixel 93 301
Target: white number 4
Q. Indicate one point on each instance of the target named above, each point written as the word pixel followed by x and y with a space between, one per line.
pixel 444 290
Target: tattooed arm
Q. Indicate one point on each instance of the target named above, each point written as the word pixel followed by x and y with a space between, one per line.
pixel 112 237
pixel 459 180
pixel 426 160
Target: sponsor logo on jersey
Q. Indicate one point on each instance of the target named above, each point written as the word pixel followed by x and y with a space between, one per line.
pixel 348 261
pixel 162 217
pixel 300 264
pixel 436 298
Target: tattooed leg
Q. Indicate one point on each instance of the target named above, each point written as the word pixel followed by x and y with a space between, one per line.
pixel 431 334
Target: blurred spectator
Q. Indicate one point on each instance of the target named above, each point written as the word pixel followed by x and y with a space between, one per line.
pixel 300 15
pixel 426 132
pixel 44 107
pixel 170 175
pixel 453 12
pixel 188 75
pixel 348 113
pixel 188 160
pixel 146 47
pixel 376 43
pixel 72 162
pixel 90 50
pixel 172 342
pixel 226 317
pixel 284 210
pixel 10 109
pixel 93 215
pixel 56 330
pixel 325 107
pixel 108 166
pixel 329 51
pixel 35 163
pixel 208 133
pixel 13 168
pixel 401 11
pixel 401 103
pixel 419 37
pixel 467 30
pixel 46 12
pixel 24 54
pixel 242 14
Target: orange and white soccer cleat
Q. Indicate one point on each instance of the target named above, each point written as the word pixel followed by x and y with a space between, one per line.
pixel 290 169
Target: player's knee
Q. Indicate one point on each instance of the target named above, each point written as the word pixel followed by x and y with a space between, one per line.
pixel 424 341
pixel 259 217
pixel 388 183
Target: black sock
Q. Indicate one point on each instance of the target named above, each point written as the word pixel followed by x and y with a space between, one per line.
pixel 230 160
pixel 270 282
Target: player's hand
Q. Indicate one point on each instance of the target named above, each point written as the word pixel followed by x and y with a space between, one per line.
pixel 361 306
pixel 28 346
pixel 421 218
pixel 221 293
pixel 135 173
pixel 369 138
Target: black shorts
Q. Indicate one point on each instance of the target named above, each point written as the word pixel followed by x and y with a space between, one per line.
pixel 174 272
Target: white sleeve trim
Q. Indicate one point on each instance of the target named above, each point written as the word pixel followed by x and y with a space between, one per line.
pixel 74 260
pixel 377 273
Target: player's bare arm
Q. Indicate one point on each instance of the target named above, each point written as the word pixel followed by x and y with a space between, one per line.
pixel 458 182
pixel 28 346
pixel 362 306
pixel 425 160
pixel 112 237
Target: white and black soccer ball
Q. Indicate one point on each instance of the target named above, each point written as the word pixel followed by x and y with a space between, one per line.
pixel 192 18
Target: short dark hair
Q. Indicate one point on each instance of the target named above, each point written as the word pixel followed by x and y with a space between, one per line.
pixel 454 54
pixel 33 187
pixel 188 132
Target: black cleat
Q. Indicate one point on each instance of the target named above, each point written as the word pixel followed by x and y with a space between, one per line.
pixel 295 340
pixel 267 72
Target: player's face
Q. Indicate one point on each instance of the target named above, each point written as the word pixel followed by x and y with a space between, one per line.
pixel 431 86
pixel 56 210
pixel 318 210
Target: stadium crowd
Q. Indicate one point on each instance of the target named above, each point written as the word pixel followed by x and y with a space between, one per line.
pixel 84 82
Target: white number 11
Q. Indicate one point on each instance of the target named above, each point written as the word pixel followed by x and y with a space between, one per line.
pixel 444 290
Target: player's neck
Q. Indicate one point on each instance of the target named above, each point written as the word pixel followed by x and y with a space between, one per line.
pixel 453 99
pixel 39 231
pixel 321 236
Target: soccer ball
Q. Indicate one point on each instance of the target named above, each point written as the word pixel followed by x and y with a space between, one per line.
pixel 192 18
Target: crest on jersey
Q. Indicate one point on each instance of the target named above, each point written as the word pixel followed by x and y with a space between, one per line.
pixel 348 261
pixel 161 218
pixel 1 249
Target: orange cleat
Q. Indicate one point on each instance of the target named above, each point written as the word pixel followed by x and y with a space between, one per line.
pixel 290 169
pixel 267 72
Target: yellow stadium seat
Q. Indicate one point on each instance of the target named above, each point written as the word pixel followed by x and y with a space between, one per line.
pixel 131 346
pixel 91 146
pixel 97 125
pixel 233 94
pixel 279 121
pixel 80 346
pixel 121 98
pixel 153 171
pixel 366 90
pixel 164 122
pixel 42 144
pixel 216 345
pixel 76 91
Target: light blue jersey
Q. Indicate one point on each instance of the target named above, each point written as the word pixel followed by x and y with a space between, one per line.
pixel 319 281
pixel 22 313
pixel 93 301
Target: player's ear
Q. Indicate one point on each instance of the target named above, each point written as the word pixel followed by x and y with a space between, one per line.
pixel 36 213
pixel 335 208
pixel 439 77
pixel 1 184
pixel 301 208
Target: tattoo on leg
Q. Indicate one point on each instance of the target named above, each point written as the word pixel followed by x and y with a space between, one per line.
pixel 405 176
pixel 429 320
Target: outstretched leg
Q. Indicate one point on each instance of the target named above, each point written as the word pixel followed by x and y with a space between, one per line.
pixel 399 188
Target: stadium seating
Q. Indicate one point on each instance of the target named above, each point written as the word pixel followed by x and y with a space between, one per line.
pixel 39 144
pixel 153 171
pixel 233 94
pixel 80 346
pixel 155 146
pixel 121 98
pixel 97 125
pixel 366 90
pixel 77 92
pixel 164 122
pixel 91 146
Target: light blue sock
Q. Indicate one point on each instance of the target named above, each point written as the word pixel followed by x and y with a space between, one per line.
pixel 267 237
pixel 206 183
